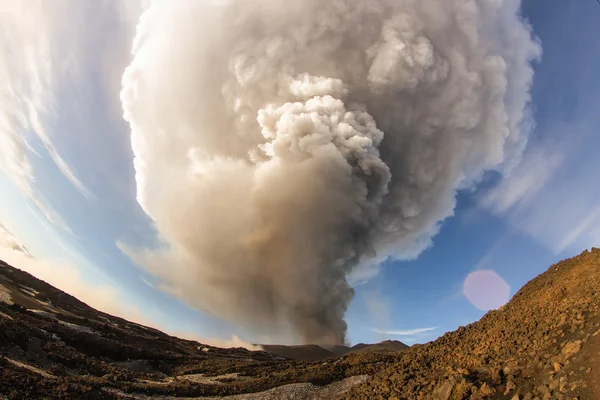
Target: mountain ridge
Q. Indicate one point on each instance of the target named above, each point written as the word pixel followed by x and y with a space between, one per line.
pixel 313 352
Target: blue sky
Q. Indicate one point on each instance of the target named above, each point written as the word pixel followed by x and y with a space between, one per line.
pixel 546 210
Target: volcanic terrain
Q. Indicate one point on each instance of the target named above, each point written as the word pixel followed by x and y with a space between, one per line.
pixel 544 344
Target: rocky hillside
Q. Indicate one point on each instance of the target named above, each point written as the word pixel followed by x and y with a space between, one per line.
pixel 544 344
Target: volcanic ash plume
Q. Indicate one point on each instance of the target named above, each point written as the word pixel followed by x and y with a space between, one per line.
pixel 281 145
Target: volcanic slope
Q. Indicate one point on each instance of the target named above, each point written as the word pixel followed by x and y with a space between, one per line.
pixel 544 344
pixel 55 346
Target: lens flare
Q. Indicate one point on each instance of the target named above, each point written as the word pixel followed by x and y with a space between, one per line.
pixel 486 290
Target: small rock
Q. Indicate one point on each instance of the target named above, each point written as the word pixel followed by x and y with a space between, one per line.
pixel 487 390
pixel 557 366
pixel 543 390
pixel 510 385
pixel 443 392
pixel 571 348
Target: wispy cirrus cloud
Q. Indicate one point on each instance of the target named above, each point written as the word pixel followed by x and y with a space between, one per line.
pixel 29 73
pixel 550 195
pixel 45 84
pixel 407 332
pixel 524 183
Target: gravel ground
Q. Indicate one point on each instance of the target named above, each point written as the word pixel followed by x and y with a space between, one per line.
pixel 5 295
pixel 295 391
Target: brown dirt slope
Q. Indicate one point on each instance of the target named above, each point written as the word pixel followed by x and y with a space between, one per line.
pixel 544 344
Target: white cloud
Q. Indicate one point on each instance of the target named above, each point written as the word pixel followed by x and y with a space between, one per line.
pixel 363 273
pixel 30 66
pixel 47 49
pixel 39 201
pixel 524 182
pixel 9 242
pixel 551 195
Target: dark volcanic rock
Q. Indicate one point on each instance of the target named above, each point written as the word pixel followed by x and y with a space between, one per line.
pixel 55 346
pixel 308 352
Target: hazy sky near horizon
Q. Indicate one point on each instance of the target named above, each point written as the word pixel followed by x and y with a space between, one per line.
pixel 68 185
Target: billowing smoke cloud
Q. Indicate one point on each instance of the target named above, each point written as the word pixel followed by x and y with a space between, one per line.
pixel 280 145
